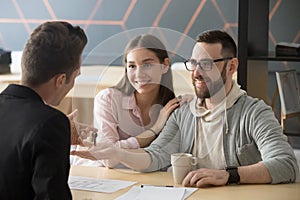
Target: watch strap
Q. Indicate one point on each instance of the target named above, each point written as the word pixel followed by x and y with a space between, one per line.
pixel 234 176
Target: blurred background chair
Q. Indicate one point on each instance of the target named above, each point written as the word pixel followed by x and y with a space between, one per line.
pixel 289 95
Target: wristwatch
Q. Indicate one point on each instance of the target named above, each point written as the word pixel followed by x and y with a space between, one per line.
pixel 234 176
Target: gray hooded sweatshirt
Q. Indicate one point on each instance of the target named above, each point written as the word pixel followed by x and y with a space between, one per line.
pixel 252 134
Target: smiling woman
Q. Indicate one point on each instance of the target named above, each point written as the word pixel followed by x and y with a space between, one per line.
pixel 144 71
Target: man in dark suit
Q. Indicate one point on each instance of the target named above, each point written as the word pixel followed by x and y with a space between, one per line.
pixel 35 138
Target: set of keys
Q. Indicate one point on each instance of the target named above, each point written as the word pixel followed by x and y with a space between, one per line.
pixel 89 136
pixel 94 138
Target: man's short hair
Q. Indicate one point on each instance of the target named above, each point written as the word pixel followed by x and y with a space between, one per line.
pixel 229 48
pixel 53 48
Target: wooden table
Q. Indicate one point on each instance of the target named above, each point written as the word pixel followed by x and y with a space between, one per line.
pixel 232 192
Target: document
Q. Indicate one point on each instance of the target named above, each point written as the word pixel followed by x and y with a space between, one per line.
pixel 97 185
pixel 157 192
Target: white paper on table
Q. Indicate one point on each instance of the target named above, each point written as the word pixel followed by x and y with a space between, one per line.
pixel 155 192
pixel 97 185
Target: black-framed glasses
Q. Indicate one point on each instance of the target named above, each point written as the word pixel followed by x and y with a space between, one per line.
pixel 204 64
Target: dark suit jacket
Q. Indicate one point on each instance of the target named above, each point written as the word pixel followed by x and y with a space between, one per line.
pixel 34 147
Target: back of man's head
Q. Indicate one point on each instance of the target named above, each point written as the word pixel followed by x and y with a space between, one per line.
pixel 53 48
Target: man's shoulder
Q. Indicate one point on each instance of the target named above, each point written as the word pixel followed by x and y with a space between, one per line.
pixel 49 116
pixel 49 123
pixel 251 101
pixel 246 104
pixel 184 110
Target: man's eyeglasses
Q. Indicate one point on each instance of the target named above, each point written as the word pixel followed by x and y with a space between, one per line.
pixel 205 64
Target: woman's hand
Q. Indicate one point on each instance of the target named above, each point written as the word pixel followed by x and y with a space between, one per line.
pixel 166 111
pixel 149 135
pixel 164 114
pixel 186 98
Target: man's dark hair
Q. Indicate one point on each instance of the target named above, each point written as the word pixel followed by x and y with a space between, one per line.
pixel 217 36
pixel 53 48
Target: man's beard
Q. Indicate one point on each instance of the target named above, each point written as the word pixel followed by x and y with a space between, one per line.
pixel 214 88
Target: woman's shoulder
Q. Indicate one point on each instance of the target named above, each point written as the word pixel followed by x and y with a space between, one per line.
pixel 109 93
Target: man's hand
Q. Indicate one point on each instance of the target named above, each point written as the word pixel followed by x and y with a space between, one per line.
pixel 206 177
pixel 79 131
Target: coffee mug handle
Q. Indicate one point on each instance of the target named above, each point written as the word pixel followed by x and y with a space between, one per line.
pixel 194 161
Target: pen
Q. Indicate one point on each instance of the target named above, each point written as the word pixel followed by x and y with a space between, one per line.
pixel 157 186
